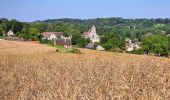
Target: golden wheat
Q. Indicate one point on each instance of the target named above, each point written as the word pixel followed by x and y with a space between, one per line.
pixel 31 71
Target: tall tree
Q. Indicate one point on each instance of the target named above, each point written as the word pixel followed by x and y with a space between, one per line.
pixel 16 26
pixel 5 25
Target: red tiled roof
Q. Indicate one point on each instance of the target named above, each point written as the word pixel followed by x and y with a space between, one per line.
pixel 47 34
pixel 58 33
pixel 85 33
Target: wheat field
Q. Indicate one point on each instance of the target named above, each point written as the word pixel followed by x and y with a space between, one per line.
pixel 30 71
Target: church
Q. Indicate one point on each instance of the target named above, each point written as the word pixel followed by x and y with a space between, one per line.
pixel 92 35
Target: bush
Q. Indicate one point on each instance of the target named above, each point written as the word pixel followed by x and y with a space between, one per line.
pixel 74 50
pixel 82 42
pixel 18 34
pixel 45 41
pixel 139 51
pixel 1 37
pixel 1 34
pixel 156 44
pixel 117 50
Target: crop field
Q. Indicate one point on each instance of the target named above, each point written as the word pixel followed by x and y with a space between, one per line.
pixel 30 71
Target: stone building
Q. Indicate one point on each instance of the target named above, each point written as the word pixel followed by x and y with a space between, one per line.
pixel 92 35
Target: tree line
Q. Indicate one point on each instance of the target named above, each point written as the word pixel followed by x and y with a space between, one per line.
pixel 112 32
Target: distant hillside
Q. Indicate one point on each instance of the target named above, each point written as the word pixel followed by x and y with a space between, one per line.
pixel 114 21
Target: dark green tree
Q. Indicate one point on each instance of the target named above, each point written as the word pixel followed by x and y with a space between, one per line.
pixel 82 42
pixel 5 25
pixel 16 26
pixel 156 44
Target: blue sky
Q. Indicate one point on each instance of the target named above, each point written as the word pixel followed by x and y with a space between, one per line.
pixel 32 10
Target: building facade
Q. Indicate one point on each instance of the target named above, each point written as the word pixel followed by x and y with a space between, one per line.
pixel 92 35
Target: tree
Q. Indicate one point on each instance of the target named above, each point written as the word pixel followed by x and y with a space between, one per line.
pixel 112 40
pixel 16 26
pixel 1 31
pixel 75 38
pixel 33 34
pixel 33 31
pixel 5 25
pixel 40 26
pixel 169 43
pixel 156 44
pixel 82 42
pixel 25 29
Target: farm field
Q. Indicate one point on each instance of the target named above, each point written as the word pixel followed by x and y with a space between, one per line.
pixel 30 71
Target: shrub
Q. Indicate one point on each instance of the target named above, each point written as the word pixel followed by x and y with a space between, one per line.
pixel 1 34
pixel 139 51
pixel 117 50
pixel 82 42
pixel 74 50
pixel 156 44
pixel 45 41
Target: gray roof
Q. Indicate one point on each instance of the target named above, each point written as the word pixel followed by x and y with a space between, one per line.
pixel 99 47
pixel 89 46
pixel 63 41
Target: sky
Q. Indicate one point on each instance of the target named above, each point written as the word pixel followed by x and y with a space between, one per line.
pixel 32 10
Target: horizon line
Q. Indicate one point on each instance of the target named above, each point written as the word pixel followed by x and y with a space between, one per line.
pixel 83 18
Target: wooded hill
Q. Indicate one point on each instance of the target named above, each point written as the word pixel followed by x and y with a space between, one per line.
pixel 112 31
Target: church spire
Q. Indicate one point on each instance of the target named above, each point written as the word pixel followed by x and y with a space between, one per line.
pixel 93 29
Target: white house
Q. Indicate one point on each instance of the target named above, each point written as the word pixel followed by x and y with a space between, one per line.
pixel 92 35
pixel 10 33
pixel 51 35
pixel 130 46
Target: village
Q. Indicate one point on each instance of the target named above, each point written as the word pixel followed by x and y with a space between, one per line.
pixel 58 39
pixel 85 50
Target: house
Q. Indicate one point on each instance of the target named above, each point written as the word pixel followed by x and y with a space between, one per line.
pixel 130 45
pixel 91 46
pixel 92 35
pixel 52 35
pixel 100 48
pixel 10 33
pixel 58 34
pixel 66 41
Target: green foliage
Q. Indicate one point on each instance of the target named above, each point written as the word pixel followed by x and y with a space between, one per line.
pixel 16 26
pixel 74 50
pixel 112 32
pixel 139 51
pixel 5 24
pixel 112 41
pixel 169 43
pixel 19 34
pixel 33 31
pixel 45 41
pixel 1 34
pixel 75 38
pixel 26 28
pixel 156 44
pixel 1 31
pixel 82 42
pixel 96 44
